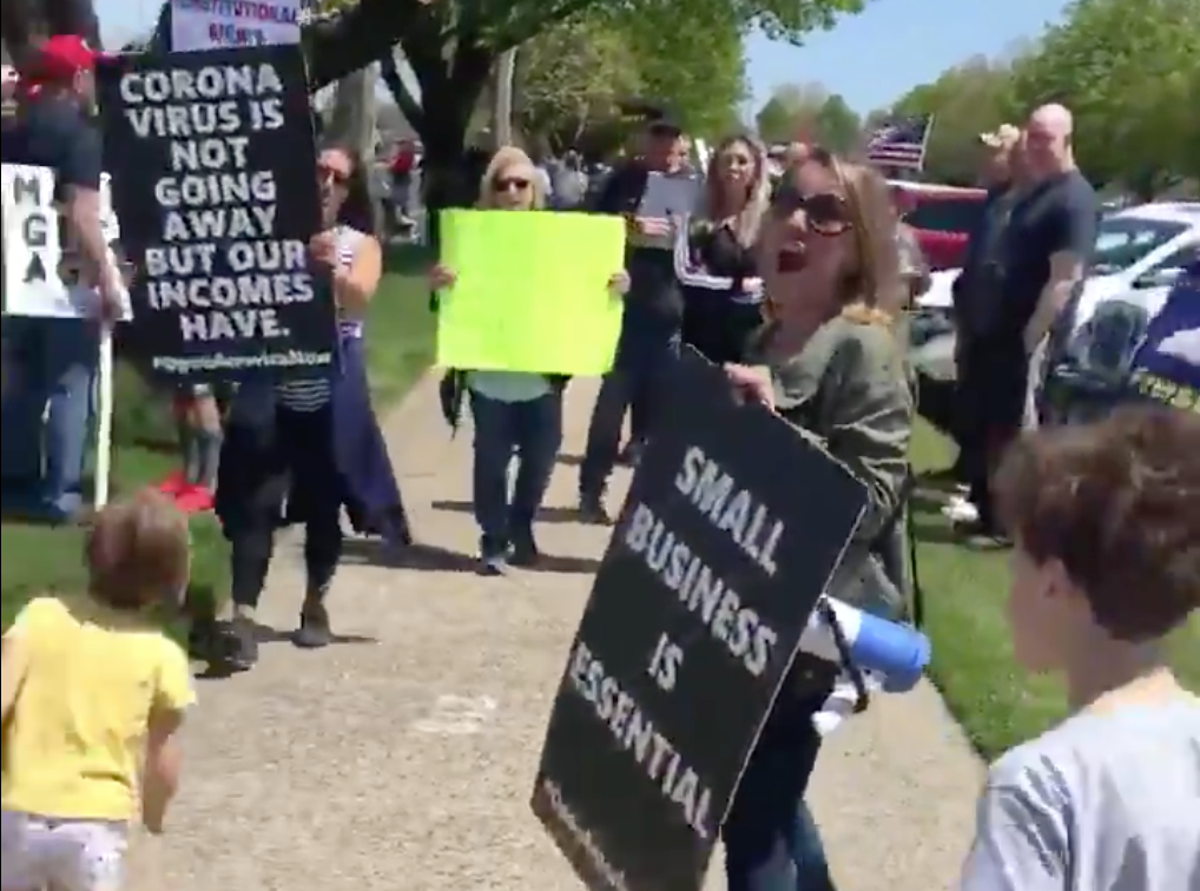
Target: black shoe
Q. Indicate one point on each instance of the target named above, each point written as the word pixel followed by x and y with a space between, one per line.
pixel 591 510
pixel 314 631
pixel 525 551
pixel 241 645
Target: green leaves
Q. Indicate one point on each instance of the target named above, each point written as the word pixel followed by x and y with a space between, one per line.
pixel 1130 73
pixel 807 111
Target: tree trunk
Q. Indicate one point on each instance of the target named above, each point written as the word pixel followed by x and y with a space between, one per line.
pixel 450 177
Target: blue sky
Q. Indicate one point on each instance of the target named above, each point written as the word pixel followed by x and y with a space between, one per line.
pixel 876 57
pixel 870 59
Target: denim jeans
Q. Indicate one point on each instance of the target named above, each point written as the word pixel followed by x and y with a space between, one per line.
pixel 532 431
pixel 51 363
pixel 634 385
pixel 771 840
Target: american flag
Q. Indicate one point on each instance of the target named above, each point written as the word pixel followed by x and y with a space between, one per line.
pixel 900 143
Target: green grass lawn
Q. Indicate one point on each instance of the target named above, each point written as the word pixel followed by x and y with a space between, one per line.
pixel 39 559
pixel 997 703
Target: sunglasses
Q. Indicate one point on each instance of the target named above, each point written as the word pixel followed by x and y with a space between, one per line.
pixel 825 212
pixel 509 184
pixel 338 177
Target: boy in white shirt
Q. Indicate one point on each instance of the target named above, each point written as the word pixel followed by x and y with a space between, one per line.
pixel 1106 522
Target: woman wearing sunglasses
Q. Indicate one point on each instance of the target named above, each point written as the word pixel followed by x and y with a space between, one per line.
pixel 514 412
pixel 312 443
pixel 837 369
pixel 715 253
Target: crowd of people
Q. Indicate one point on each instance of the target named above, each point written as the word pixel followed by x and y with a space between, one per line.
pixel 799 289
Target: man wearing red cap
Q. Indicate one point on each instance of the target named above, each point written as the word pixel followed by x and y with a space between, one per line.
pixel 55 359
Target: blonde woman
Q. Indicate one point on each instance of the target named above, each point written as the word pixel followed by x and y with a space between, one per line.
pixel 514 412
pixel 715 254
pixel 836 370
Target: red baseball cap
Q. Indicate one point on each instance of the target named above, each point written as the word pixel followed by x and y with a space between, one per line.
pixel 61 57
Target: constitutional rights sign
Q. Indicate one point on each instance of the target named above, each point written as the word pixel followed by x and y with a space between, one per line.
pixel 732 528
pixel 214 179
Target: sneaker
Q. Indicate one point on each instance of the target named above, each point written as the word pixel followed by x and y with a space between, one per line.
pixel 493 564
pixel 591 510
pixel 314 631
pixel 959 510
pixel 525 551
pixel 241 649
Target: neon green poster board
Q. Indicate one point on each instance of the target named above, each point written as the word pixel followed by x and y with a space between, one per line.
pixel 531 291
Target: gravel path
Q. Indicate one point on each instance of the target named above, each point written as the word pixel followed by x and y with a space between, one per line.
pixel 403 757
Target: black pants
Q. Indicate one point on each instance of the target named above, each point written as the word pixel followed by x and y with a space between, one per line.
pixel 993 380
pixel 636 384
pixel 298 467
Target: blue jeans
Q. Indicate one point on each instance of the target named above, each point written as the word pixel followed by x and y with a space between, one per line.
pixel 531 430
pixel 634 385
pixel 50 362
pixel 771 840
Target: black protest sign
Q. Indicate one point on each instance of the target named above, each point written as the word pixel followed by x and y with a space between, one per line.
pixel 213 162
pixel 733 525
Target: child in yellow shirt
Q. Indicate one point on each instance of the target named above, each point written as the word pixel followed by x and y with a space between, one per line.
pixel 93 694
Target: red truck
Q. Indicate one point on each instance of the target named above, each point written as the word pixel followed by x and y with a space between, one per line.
pixel 942 217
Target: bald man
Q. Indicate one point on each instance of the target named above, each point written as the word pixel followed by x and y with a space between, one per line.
pixel 1041 259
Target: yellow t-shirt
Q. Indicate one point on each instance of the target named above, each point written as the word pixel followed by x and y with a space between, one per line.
pixel 74 743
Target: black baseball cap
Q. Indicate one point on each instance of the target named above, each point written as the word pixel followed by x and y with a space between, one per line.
pixel 655 118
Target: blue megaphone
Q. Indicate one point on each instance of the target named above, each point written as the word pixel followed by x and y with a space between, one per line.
pixel 898 654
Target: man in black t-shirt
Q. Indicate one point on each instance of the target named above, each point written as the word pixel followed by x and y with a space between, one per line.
pixel 653 313
pixel 54 360
pixel 1042 257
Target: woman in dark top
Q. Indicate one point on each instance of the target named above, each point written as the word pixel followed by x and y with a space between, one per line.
pixel 302 449
pixel 715 253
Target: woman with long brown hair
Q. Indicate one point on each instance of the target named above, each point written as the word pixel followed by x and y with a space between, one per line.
pixel 837 369
pixel 715 253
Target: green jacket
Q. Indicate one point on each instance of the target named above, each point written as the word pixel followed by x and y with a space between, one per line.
pixel 848 386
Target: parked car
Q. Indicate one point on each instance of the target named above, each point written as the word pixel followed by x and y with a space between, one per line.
pixel 943 218
pixel 1140 255
pixel 1119 347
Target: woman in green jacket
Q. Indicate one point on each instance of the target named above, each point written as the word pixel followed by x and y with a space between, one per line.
pixel 836 368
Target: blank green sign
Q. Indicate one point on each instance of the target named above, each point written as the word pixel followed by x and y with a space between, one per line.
pixel 531 291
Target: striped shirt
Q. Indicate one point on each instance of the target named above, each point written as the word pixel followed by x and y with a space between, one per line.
pixel 312 394
pixel 691 273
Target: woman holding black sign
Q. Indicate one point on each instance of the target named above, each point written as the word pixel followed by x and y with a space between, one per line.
pixel 515 412
pixel 837 369
pixel 313 443
pixel 715 254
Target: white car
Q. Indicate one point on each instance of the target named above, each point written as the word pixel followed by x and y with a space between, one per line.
pixel 1139 254
pixel 1141 250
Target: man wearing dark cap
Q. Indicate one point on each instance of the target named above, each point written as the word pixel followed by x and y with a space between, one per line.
pixel 653 308
pixel 55 359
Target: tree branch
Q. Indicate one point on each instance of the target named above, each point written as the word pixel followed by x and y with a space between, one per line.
pixel 389 71
pixel 357 37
